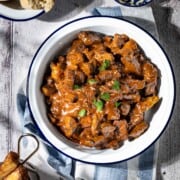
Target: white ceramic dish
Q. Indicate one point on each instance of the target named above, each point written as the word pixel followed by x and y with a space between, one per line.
pixel 52 47
pixel 18 14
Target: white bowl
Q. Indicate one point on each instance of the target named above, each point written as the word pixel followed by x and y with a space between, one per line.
pixel 52 47
pixel 134 3
pixel 18 14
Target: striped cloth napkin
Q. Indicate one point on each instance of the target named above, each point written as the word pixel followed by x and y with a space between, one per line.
pixel 142 167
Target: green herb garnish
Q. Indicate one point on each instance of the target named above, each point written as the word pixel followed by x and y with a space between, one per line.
pixel 76 86
pixel 104 65
pixel 117 104
pixel 82 113
pixel 105 96
pixel 92 81
pixel 99 104
pixel 116 85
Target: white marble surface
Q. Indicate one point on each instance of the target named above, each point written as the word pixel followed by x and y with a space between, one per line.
pixel 20 40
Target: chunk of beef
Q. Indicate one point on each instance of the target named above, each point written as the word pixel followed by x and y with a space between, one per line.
pixel 48 90
pixel 98 47
pixel 105 76
pixel 116 96
pixel 129 48
pixel 95 124
pixel 80 77
pixel 67 125
pixel 116 43
pixel 138 130
pixel 134 84
pixel 137 114
pixel 56 71
pixel 55 101
pixel 113 144
pixel 77 46
pixel 87 68
pixel 125 89
pixel 62 62
pixel 132 97
pixel 99 141
pixel 108 75
pixel 150 74
pixel 151 88
pixel 86 138
pixel 88 38
pixel 101 55
pixel 86 121
pixel 148 103
pixel 131 64
pixel 90 93
pixel 111 111
pixel 70 108
pixel 89 54
pixel 74 59
pixel 125 108
pixel 107 130
pixel 69 78
pixel 130 57
pixel 122 133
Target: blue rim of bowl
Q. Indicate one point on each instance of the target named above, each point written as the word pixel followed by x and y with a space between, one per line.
pixel 26 19
pixel 39 129
pixel 129 5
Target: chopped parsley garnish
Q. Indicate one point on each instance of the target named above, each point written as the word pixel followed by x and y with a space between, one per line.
pixel 99 104
pixel 116 85
pixel 92 81
pixel 82 113
pixel 105 96
pixel 104 65
pixel 117 104
pixel 76 86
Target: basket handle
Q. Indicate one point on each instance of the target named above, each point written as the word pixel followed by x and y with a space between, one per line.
pixel 33 152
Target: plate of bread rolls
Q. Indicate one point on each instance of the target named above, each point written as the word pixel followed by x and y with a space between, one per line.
pixel 22 10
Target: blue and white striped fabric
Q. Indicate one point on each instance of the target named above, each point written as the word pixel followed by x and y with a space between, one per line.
pixel 141 167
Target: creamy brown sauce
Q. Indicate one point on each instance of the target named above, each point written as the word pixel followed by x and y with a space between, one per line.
pixel 98 92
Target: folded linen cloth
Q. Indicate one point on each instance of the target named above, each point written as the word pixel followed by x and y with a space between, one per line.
pixel 141 167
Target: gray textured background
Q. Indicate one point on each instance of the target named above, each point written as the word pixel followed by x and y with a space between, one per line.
pixel 167 16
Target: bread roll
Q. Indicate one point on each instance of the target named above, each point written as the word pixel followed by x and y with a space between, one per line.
pixel 37 4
